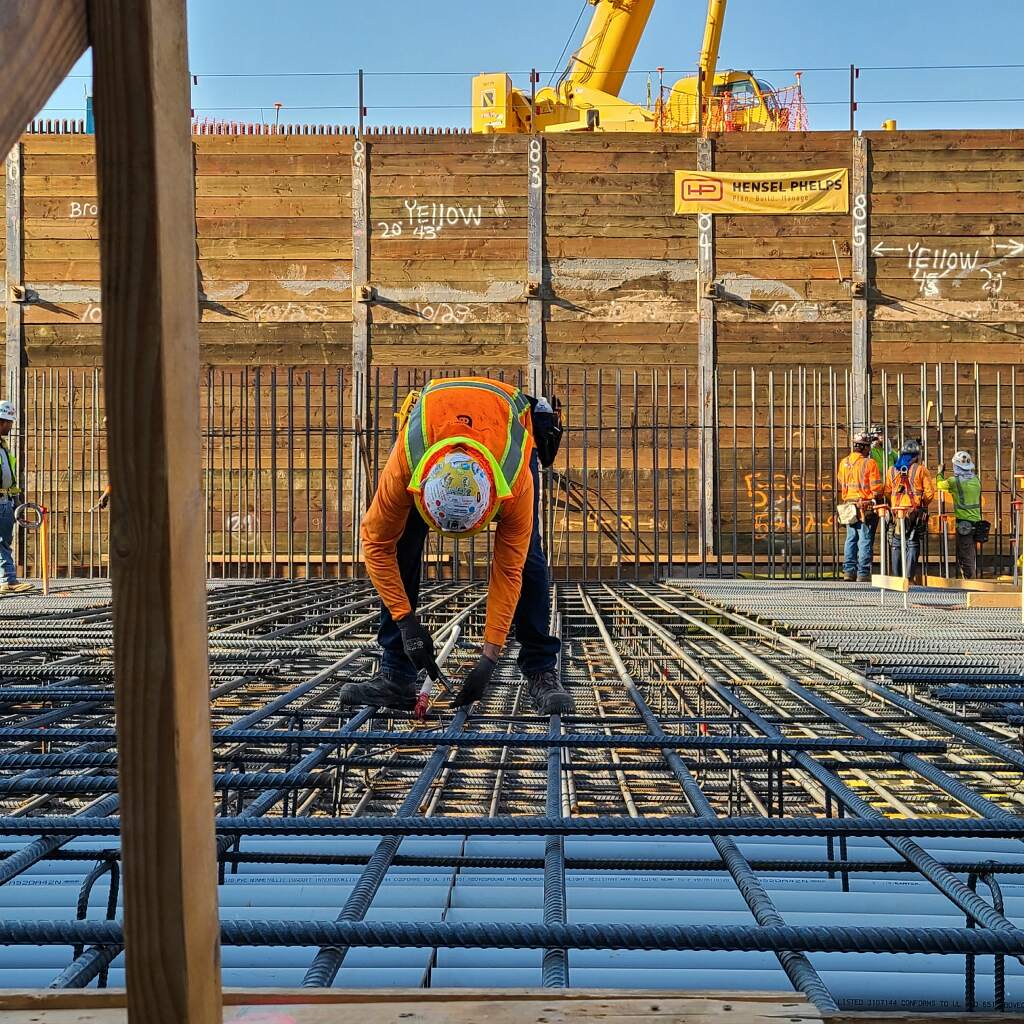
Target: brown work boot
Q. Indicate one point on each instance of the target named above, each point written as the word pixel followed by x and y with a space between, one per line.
pixel 863 579
pixel 383 692
pixel 849 577
pixel 548 695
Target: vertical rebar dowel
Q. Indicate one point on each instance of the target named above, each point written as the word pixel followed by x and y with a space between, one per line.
pixel 979 447
pixel 735 481
pixel 635 438
pixel 670 473
pixel 771 474
pixel 290 413
pixel 618 472
pixel 585 475
pixel 655 489
pixel 686 470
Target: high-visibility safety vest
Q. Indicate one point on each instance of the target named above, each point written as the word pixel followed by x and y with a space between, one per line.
pixel 966 497
pixel 487 417
pixel 883 458
pixel 858 478
pixel 10 457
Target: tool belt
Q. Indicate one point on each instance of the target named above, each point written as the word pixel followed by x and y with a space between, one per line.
pixel 850 512
pixel 916 521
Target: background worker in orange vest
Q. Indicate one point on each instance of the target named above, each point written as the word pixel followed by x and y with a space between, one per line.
pixel 860 487
pixel 909 487
pixel 467 454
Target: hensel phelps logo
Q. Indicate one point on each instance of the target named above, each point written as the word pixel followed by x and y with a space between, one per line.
pixel 702 190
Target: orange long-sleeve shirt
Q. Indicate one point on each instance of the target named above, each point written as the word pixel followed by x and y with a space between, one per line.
pixel 384 523
pixel 859 478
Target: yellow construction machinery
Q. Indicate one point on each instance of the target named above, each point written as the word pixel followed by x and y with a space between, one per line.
pixel 586 97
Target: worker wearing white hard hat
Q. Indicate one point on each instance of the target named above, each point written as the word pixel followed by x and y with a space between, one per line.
pixel 964 486
pixel 9 491
pixel 467 455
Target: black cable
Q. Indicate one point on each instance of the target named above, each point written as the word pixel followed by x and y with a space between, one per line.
pixel 568 42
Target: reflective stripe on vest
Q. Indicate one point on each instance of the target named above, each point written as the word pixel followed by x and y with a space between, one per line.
pixel 960 497
pixel 506 469
pixel 865 468
pixel 11 459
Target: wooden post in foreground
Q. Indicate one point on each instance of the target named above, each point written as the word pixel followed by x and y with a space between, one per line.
pixel 151 372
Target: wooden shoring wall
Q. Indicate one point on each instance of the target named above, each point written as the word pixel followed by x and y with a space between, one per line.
pixel 448 251
pixel 484 255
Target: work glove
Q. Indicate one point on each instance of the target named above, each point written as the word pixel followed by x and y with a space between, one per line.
pixel 476 682
pixel 418 645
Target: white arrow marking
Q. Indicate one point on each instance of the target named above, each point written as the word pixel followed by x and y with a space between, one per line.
pixel 881 249
pixel 1011 248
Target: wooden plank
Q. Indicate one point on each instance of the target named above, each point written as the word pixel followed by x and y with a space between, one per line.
pixel 950 202
pixel 980 586
pixel 1008 601
pixel 535 287
pixel 312 1006
pixel 76 999
pixel 890 582
pixel 951 141
pixel 151 364
pixel 707 363
pixel 39 44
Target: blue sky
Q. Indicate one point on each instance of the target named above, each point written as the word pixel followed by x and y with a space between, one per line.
pixel 420 57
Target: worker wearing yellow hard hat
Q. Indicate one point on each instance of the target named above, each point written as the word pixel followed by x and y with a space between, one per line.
pixel 467 455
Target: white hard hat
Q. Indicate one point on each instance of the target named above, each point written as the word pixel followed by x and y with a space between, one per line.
pixel 458 494
pixel 8 412
pixel 963 460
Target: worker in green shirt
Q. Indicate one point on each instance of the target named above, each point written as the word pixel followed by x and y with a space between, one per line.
pixel 881 450
pixel 965 489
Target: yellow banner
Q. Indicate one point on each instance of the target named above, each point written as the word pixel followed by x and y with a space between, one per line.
pixel 779 192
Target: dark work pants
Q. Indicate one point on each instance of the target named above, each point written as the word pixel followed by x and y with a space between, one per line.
pixel 966 554
pixel 7 568
pixel 916 534
pixel 538 649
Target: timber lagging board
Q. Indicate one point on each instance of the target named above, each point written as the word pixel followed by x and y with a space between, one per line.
pixel 448 251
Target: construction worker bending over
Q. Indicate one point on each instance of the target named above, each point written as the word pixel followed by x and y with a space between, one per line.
pixel 467 454
pixel 910 489
pixel 860 487
pixel 965 487
pixel 9 491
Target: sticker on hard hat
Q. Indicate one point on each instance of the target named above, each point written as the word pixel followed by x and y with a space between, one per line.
pixel 457 493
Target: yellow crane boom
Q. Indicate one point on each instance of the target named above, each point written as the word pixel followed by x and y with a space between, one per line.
pixel 610 45
pixel 709 50
pixel 587 95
